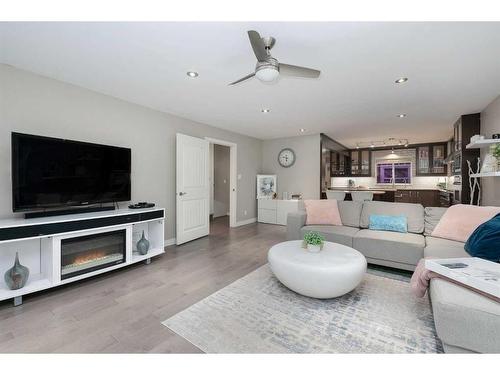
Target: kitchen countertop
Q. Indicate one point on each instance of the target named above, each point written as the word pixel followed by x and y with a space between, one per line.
pixel 378 190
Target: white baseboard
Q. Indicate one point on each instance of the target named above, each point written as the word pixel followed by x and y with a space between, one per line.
pixel 169 242
pixel 245 222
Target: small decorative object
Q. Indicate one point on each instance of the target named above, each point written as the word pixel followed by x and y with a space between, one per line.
pixel 490 160
pixel 313 242
pixel 473 183
pixel 17 276
pixel 285 195
pixel 495 136
pixel 476 138
pixel 286 157
pixel 143 245
pixel 266 186
pixel 297 196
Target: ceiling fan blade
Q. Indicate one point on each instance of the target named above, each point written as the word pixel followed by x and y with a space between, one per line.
pixel 298 71
pixel 242 79
pixel 257 45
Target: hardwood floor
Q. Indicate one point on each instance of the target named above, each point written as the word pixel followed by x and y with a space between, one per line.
pixel 122 311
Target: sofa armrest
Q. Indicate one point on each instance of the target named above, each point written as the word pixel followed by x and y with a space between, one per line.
pixel 294 222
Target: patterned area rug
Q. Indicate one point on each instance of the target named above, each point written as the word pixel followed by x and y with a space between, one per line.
pixel 257 314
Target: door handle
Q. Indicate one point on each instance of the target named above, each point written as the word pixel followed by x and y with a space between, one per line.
pixel 182 193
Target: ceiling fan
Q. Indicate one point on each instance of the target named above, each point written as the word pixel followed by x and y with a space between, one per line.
pixel 268 68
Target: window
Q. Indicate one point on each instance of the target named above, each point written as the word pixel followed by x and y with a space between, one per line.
pixel 394 172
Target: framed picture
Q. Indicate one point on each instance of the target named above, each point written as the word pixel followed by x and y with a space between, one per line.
pixel 266 186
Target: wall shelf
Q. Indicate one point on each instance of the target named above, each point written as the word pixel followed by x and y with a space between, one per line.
pixel 482 143
pixel 486 174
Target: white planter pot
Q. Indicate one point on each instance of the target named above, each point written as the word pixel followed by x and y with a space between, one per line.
pixel 313 248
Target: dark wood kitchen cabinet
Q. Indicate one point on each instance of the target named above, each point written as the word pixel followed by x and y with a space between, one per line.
pixel 427 198
pixel 339 163
pixel 431 160
pixel 360 163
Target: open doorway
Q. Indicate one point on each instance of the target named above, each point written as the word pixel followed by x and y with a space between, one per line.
pixel 222 184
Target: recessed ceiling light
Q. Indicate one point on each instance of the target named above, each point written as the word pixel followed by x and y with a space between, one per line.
pixel 401 80
pixel 401 115
pixel 192 74
pixel 302 130
pixel 265 110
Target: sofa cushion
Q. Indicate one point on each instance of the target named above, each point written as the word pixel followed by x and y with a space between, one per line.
pixel 432 215
pixel 460 220
pixel 436 247
pixel 414 213
pixel 334 233
pixel 484 241
pixel 322 212
pixel 464 318
pixel 398 247
pixel 350 212
pixel 389 223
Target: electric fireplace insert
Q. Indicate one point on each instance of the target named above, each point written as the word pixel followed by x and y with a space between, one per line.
pixel 89 253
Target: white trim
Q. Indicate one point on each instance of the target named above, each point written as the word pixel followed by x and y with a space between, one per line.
pixel 246 222
pixel 233 177
pixel 169 242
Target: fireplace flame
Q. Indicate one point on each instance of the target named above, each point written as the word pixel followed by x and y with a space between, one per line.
pixel 89 257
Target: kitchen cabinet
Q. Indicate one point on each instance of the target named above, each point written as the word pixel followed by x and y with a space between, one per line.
pixel 339 162
pixel 360 163
pixel 427 198
pixel 431 160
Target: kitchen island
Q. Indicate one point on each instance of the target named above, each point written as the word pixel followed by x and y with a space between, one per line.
pixel 426 196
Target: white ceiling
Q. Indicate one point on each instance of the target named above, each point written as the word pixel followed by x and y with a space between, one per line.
pixel 453 69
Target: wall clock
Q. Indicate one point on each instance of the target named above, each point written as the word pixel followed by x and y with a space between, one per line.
pixel 286 157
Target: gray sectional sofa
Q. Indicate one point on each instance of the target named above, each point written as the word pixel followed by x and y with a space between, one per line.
pixel 465 321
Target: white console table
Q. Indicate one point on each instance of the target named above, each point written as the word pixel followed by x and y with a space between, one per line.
pixel 38 242
pixel 275 211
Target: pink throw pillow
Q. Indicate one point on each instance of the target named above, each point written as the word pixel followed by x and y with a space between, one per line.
pixel 459 221
pixel 322 212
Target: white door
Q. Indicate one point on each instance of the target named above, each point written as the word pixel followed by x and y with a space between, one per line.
pixel 193 188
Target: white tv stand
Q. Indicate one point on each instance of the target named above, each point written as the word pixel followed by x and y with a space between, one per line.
pixel 38 242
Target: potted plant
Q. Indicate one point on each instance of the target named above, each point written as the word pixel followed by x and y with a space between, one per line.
pixel 495 151
pixel 313 241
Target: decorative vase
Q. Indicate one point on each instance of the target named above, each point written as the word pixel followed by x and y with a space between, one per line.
pixel 143 245
pixel 17 276
pixel 313 248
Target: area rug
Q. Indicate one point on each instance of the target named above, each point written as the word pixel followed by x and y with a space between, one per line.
pixel 257 314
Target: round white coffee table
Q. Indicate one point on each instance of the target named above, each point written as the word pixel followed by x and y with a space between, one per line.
pixel 334 271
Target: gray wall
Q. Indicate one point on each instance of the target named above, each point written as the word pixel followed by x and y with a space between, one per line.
pixel 490 124
pixel 34 104
pixel 304 176
pixel 221 180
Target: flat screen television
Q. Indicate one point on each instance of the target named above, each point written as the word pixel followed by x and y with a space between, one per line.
pixel 52 172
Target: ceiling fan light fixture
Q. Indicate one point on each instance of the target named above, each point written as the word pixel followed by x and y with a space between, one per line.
pixel 267 73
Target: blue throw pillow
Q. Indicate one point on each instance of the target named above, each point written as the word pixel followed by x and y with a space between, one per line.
pixel 389 223
pixel 484 242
